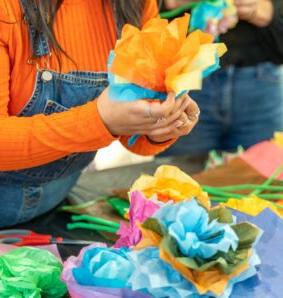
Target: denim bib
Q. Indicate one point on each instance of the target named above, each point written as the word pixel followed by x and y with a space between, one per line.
pixel 31 192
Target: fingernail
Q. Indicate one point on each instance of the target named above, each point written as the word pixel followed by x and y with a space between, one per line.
pixel 179 123
pixel 194 117
pixel 213 29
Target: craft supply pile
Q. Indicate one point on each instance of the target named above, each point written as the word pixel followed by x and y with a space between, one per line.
pixel 174 244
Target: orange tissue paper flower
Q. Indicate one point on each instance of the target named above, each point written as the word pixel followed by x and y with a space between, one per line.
pixel 163 57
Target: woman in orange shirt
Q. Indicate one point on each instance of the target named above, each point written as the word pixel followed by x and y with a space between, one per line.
pixel 54 106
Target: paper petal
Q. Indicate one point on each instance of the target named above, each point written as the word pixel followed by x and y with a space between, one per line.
pixel 252 205
pixel 170 183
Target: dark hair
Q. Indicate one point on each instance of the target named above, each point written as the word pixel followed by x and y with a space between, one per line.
pixel 126 11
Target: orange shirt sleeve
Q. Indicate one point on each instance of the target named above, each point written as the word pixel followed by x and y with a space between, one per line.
pixel 144 147
pixel 31 141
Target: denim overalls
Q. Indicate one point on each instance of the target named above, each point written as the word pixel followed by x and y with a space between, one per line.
pixel 29 193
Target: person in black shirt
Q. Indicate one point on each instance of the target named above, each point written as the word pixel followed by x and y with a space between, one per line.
pixel 242 103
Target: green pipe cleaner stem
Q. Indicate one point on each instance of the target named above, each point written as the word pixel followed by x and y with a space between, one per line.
pixel 270 180
pixel 217 192
pixel 93 227
pixel 96 220
pixel 271 188
pixel 178 11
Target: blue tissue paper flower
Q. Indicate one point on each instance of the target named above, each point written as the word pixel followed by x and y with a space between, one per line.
pixel 188 223
pixel 104 267
pixel 157 278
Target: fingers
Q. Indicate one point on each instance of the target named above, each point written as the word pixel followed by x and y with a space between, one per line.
pixel 212 28
pixel 246 8
pixel 172 4
pixel 180 106
pixel 164 109
pixel 193 111
pixel 225 23
pixel 245 2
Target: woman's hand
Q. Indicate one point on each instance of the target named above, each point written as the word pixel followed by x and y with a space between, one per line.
pixel 173 129
pixel 141 117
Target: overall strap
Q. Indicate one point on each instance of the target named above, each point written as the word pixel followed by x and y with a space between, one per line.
pixel 39 41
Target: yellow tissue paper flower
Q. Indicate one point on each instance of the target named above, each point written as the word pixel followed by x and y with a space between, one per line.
pixel 170 183
pixel 252 205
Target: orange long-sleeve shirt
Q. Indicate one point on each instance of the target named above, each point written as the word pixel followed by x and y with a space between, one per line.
pixel 87 33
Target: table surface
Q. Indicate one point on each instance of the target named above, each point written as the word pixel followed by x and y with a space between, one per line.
pixel 94 184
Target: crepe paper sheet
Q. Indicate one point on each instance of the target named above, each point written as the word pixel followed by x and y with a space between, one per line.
pixel 140 210
pixel 30 272
pixel 210 10
pixel 268 282
pixel 252 205
pixel 264 157
pixel 161 57
pixel 170 183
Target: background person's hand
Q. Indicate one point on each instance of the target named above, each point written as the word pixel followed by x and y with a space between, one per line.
pixel 256 12
pixel 246 9
pixel 172 4
pixel 140 117
pixel 222 26
pixel 175 129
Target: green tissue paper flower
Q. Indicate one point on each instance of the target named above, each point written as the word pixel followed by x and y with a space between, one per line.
pixel 28 272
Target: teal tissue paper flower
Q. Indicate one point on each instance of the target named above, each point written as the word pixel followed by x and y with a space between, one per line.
pixel 206 10
pixel 104 267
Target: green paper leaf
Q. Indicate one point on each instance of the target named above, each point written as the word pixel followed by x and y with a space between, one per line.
pixel 221 214
pixel 153 225
pixel 247 234
pixel 170 245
